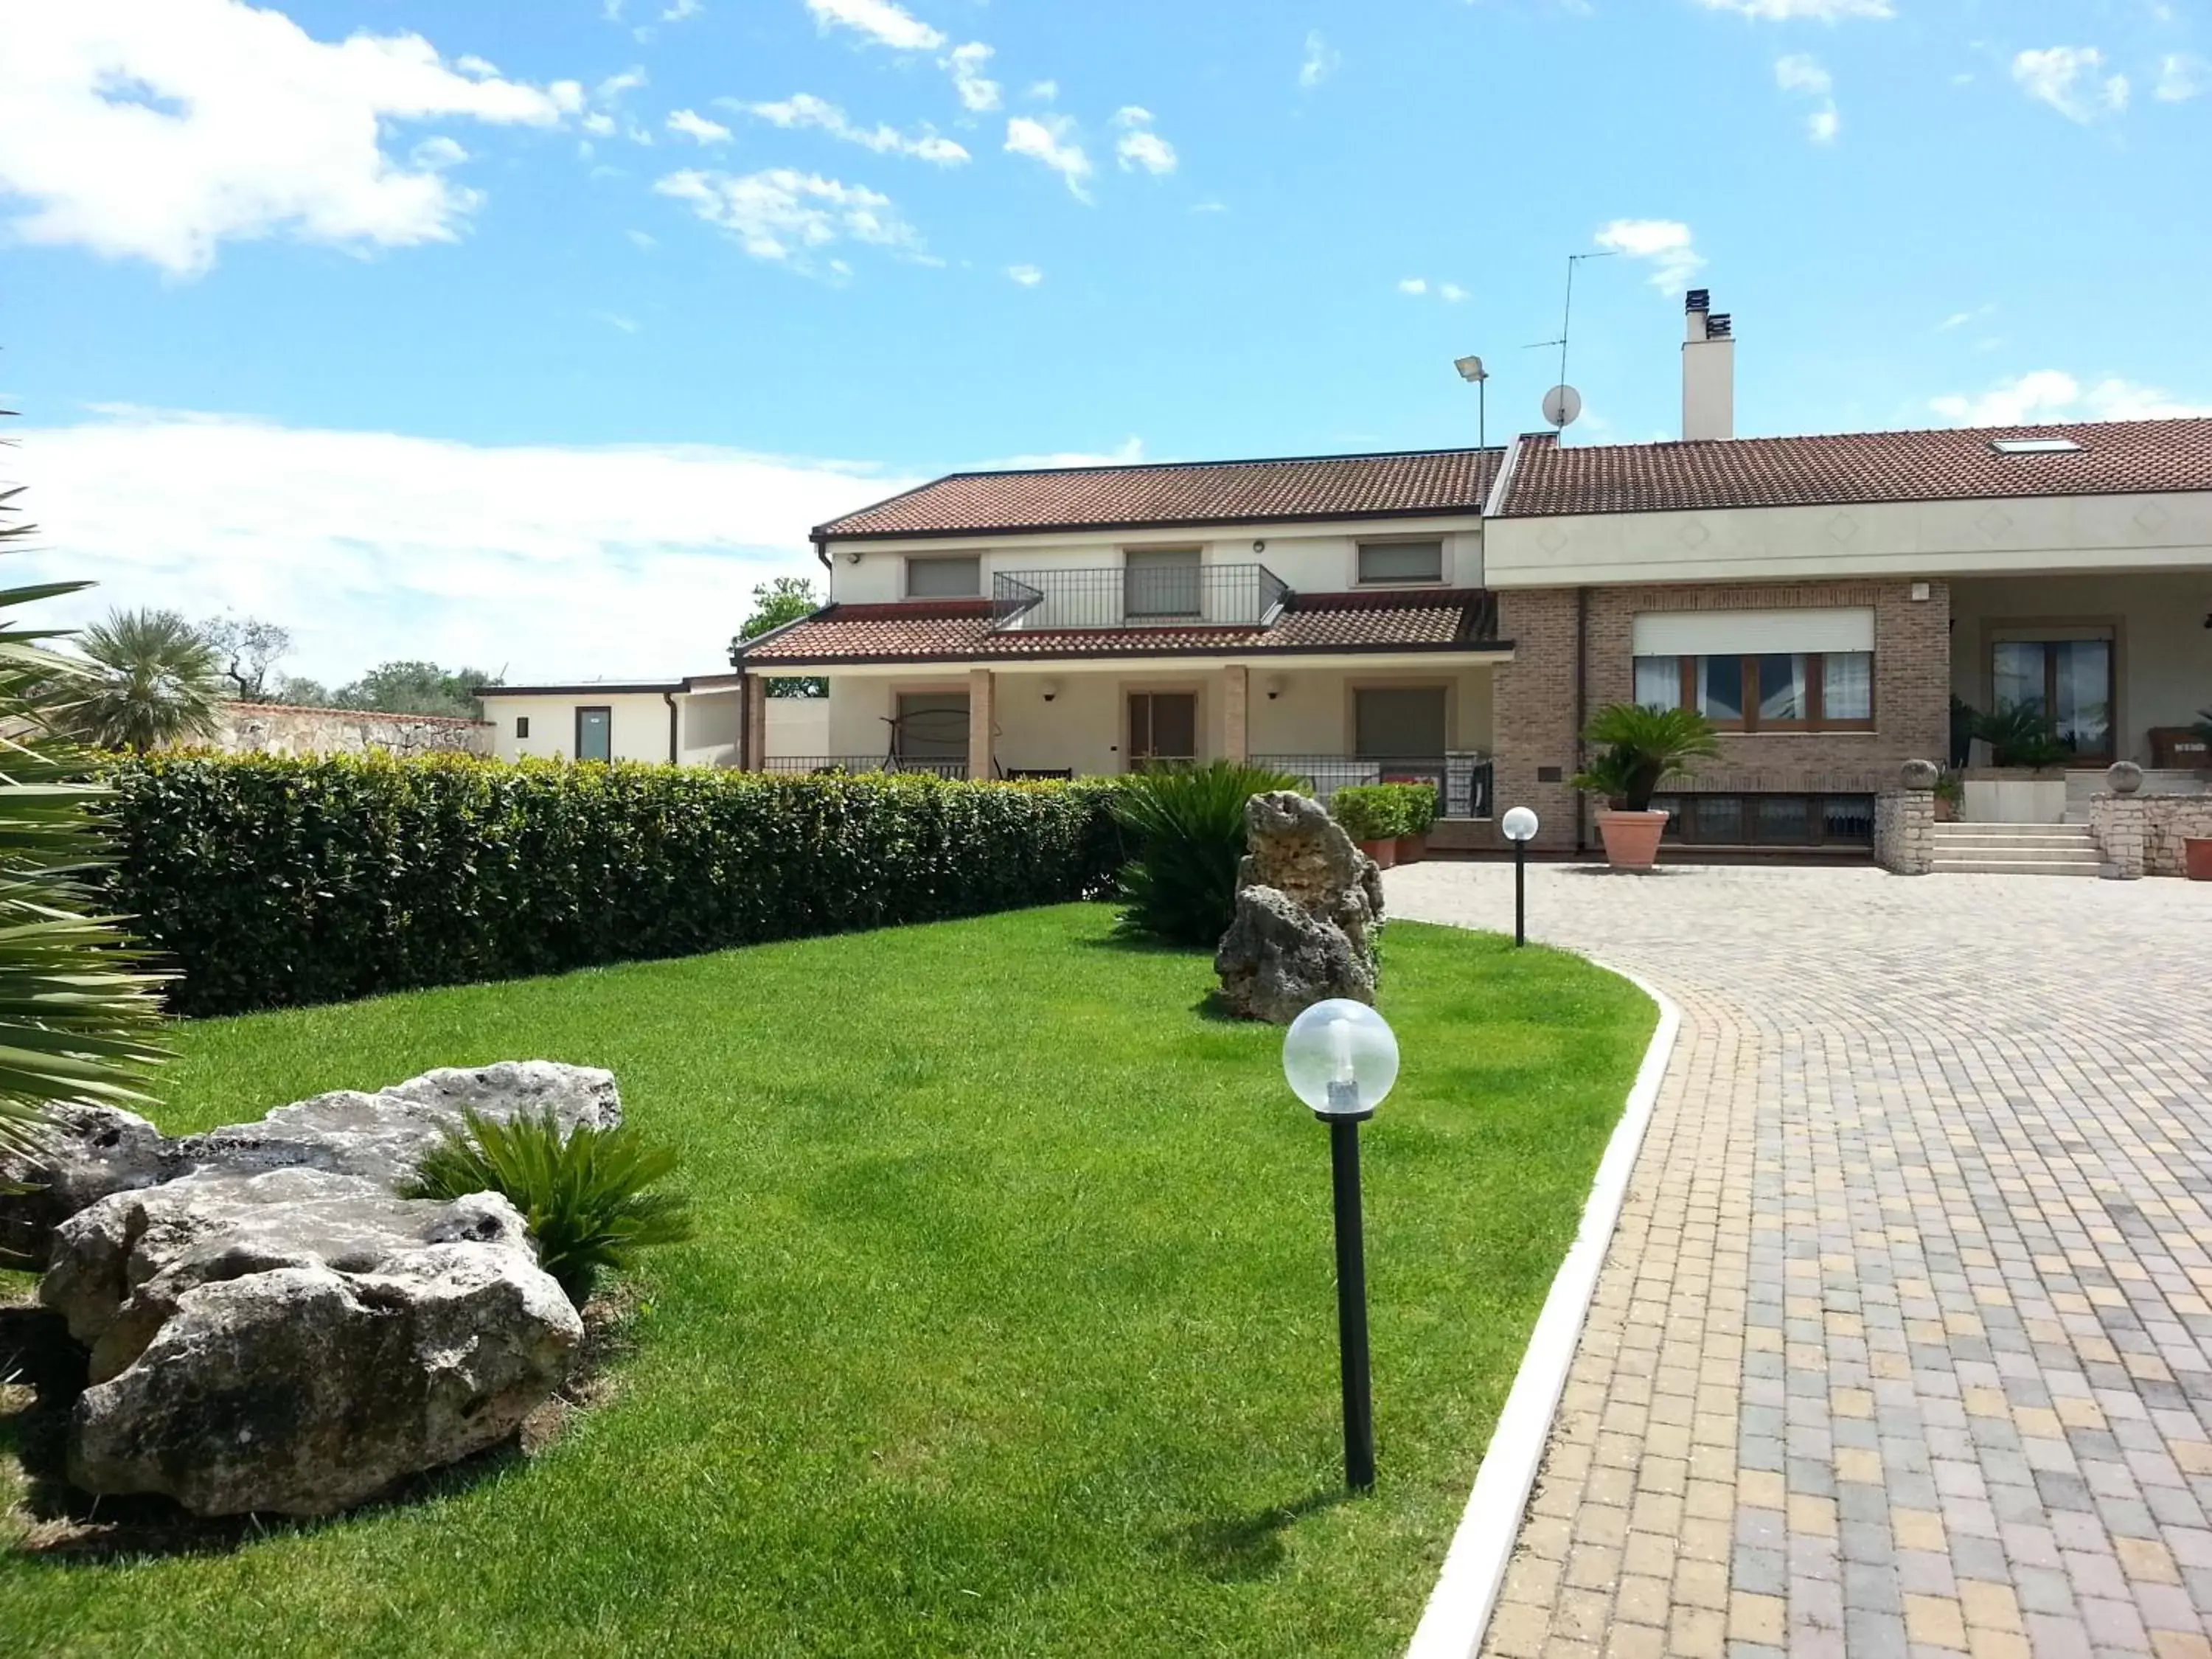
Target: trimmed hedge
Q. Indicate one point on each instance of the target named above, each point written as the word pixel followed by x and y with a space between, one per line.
pixel 272 881
pixel 1384 811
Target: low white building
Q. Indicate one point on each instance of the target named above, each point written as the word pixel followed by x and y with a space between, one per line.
pixel 698 720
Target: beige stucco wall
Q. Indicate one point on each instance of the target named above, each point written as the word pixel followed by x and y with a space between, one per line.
pixel 1886 538
pixel 640 725
pixel 1082 726
pixel 1315 558
pixel 2162 652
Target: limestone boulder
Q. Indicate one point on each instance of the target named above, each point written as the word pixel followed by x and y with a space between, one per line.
pixel 79 1155
pixel 1309 913
pixel 294 1341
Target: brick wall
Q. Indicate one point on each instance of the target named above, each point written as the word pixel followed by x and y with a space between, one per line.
pixel 1536 693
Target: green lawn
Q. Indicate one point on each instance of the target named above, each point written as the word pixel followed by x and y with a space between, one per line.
pixel 1009 1330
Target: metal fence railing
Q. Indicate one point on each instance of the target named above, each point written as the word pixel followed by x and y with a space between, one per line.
pixel 1461 781
pixel 807 764
pixel 1138 596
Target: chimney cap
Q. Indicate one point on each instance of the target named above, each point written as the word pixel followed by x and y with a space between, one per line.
pixel 1720 326
pixel 1699 299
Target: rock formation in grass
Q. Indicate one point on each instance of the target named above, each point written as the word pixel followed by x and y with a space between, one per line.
pixel 1309 908
pixel 271 1328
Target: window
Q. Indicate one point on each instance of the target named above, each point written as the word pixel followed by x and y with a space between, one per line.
pixel 595 734
pixel 1761 820
pixel 1401 561
pixel 1163 728
pixel 1160 583
pixel 522 725
pixel 957 577
pixel 2035 445
pixel 1399 722
pixel 1765 692
pixel 2069 680
pixel 931 732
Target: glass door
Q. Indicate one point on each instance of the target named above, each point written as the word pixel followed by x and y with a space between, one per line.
pixel 595 732
pixel 2069 680
pixel 1163 728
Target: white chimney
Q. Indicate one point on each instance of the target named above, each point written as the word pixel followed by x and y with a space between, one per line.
pixel 1708 371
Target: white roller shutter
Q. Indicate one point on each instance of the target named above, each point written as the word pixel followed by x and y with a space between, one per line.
pixel 1740 633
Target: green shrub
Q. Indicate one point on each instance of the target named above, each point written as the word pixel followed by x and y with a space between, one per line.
pixel 584 1193
pixel 2019 734
pixel 1372 812
pixel 272 881
pixel 1186 832
pixel 1639 748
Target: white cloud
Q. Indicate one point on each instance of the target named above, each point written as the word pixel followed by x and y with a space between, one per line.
pixel 1027 276
pixel 1319 62
pixel 2071 79
pixel 1050 139
pixel 1960 319
pixel 1140 146
pixel 978 92
pixel 1802 74
pixel 1413 285
pixel 1450 292
pixel 679 9
pixel 2052 395
pixel 159 129
pixel 1666 244
pixel 784 215
pixel 1817 11
pixel 692 124
pixel 1128 452
pixel 804 109
pixel 1042 91
pixel 881 21
pixel 550 561
pixel 2180 77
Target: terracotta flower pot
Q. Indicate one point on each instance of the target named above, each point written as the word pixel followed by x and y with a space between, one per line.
pixel 1411 849
pixel 1631 839
pixel 2197 857
pixel 1384 852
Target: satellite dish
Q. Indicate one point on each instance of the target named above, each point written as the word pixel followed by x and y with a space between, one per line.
pixel 1562 404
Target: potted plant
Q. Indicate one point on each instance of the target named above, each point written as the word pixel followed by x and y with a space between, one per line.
pixel 2197 857
pixel 1369 814
pixel 1639 748
pixel 1950 793
pixel 1417 805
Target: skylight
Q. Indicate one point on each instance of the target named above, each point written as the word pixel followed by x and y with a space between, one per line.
pixel 2035 445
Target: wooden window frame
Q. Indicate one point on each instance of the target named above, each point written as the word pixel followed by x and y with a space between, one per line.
pixel 1815 719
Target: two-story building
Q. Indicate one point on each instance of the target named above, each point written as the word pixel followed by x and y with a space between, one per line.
pixel 1457 615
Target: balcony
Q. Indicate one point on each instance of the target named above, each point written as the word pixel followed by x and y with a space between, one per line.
pixel 1149 596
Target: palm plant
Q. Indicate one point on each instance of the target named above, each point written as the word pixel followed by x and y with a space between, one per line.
pixel 77 1019
pixel 1186 825
pixel 2019 734
pixel 584 1192
pixel 1640 748
pixel 154 680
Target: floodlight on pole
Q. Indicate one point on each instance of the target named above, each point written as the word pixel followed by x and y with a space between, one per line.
pixel 1471 368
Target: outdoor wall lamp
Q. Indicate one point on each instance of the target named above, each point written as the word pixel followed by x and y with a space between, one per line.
pixel 1520 827
pixel 1051 689
pixel 1274 687
pixel 1342 1058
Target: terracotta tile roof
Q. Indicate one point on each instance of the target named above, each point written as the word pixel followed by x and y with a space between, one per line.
pixel 1181 494
pixel 2115 458
pixel 959 630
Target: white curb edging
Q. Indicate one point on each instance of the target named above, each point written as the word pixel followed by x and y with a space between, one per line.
pixel 1458 1614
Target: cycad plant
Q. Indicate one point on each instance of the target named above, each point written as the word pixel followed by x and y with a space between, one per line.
pixel 78 1019
pixel 584 1192
pixel 154 680
pixel 1187 827
pixel 1639 749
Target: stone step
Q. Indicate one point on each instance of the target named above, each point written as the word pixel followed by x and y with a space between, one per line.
pixel 2078 838
pixel 1944 831
pixel 1984 866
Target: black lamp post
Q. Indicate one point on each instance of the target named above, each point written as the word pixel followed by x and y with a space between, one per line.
pixel 1520 827
pixel 1341 1059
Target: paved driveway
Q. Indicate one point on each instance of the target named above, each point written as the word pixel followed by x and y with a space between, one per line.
pixel 1903 1343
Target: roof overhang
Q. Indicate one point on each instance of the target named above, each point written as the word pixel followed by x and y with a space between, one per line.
pixel 1485 655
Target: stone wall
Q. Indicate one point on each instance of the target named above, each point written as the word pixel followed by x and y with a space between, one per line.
pixel 1905 831
pixel 275 728
pixel 2142 835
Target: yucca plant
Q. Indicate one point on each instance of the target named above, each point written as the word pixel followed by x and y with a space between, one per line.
pixel 1186 826
pixel 77 1017
pixel 1639 749
pixel 584 1192
pixel 153 680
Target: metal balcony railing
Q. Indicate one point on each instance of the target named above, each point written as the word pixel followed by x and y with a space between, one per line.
pixel 942 769
pixel 1461 781
pixel 1139 596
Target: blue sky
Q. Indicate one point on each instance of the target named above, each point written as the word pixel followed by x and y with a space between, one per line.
pixel 535 335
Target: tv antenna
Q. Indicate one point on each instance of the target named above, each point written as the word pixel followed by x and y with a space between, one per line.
pixel 1562 404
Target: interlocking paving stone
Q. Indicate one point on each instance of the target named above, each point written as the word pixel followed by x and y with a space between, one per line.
pixel 1904 1342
